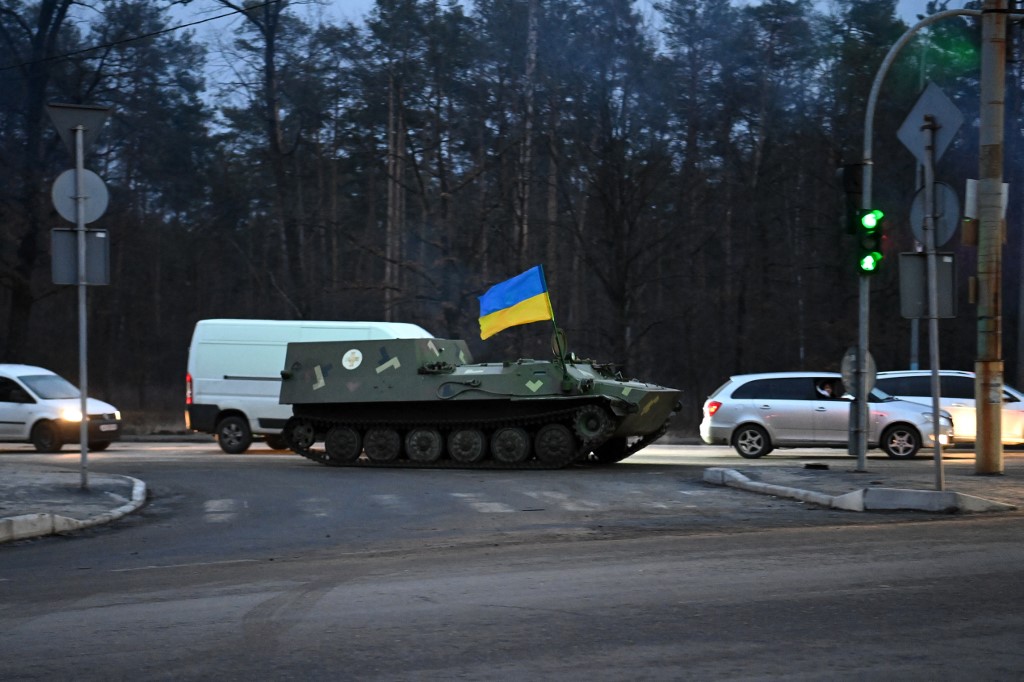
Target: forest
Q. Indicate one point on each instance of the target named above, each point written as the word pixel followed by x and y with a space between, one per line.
pixel 674 171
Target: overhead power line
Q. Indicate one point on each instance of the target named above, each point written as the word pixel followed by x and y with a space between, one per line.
pixel 115 43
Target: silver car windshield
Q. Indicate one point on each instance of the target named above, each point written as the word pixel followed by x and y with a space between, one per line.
pixel 50 386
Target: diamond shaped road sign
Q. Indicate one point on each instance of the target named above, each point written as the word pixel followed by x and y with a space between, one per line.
pixel 932 102
pixel 67 117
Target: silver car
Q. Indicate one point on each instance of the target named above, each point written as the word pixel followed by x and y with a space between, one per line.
pixel 956 396
pixel 755 413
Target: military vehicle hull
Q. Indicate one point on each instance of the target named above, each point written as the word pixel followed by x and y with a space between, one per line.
pixel 422 402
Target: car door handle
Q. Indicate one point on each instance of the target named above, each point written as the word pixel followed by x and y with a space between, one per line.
pixel 821 409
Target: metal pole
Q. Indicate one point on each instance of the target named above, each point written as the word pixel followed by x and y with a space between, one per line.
pixel 929 128
pixel 83 429
pixel 860 404
pixel 988 387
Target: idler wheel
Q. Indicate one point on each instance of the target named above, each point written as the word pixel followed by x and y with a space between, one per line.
pixel 343 444
pixel 510 445
pixel 424 445
pixel 612 451
pixel 299 434
pixel 555 444
pixel 593 424
pixel 382 445
pixel 467 445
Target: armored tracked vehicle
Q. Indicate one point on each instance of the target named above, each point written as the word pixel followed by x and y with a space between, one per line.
pixel 422 403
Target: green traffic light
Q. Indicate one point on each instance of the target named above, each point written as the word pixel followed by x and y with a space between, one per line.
pixel 870 219
pixel 869 262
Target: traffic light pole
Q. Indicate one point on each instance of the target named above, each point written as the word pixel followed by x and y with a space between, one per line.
pixel 859 441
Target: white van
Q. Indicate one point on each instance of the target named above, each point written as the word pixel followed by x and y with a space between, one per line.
pixel 233 378
pixel 956 396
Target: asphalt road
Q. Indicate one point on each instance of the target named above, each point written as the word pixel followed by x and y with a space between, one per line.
pixel 270 567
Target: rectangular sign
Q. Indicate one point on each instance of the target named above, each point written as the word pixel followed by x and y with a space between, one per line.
pixel 914 285
pixel 64 255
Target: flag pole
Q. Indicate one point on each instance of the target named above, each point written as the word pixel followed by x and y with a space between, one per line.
pixel 558 345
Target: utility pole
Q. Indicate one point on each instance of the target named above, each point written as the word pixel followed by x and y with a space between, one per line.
pixel 988 386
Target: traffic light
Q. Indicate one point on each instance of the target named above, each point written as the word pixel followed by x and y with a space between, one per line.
pixel 869 241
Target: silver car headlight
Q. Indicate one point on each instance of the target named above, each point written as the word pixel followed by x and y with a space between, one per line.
pixel 944 418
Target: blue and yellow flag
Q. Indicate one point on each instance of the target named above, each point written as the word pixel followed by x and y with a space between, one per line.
pixel 520 300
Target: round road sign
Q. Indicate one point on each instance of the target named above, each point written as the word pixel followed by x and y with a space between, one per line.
pixel 849 370
pixel 93 188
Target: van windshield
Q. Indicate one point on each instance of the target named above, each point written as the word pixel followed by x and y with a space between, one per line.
pixel 50 386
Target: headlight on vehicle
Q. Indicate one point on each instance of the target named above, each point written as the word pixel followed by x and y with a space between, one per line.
pixel 70 414
pixel 117 415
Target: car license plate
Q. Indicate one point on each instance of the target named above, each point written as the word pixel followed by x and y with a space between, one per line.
pixel 108 427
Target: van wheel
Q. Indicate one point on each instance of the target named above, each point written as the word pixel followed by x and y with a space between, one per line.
pixel 901 442
pixel 233 435
pixel 46 437
pixel 751 441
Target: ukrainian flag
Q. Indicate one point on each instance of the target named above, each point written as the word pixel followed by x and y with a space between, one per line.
pixel 520 300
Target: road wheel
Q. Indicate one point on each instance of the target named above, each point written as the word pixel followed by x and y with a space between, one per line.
pixel 299 435
pixel 510 445
pixel 343 444
pixel 467 445
pixel 46 437
pixel 900 441
pixel 233 435
pixel 555 445
pixel 424 445
pixel 382 445
pixel 751 441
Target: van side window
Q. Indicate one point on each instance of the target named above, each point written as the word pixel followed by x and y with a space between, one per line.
pixel 917 386
pixel 11 392
pixel 894 385
pixel 958 387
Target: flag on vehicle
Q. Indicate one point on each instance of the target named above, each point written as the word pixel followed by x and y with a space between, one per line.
pixel 520 300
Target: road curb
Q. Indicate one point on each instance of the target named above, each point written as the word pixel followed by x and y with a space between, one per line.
pixel 865 499
pixel 36 525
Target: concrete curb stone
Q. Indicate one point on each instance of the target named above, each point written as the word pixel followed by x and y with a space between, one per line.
pixel 864 499
pixel 26 526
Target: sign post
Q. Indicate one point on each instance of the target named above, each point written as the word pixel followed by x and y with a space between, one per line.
pixel 926 132
pixel 78 126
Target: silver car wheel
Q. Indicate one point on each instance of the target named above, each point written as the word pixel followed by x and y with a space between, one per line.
pixel 901 442
pixel 751 441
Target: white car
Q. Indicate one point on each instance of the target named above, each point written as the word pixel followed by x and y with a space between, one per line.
pixel 756 413
pixel 43 408
pixel 956 396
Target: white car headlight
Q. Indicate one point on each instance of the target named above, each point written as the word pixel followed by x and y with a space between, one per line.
pixel 71 414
